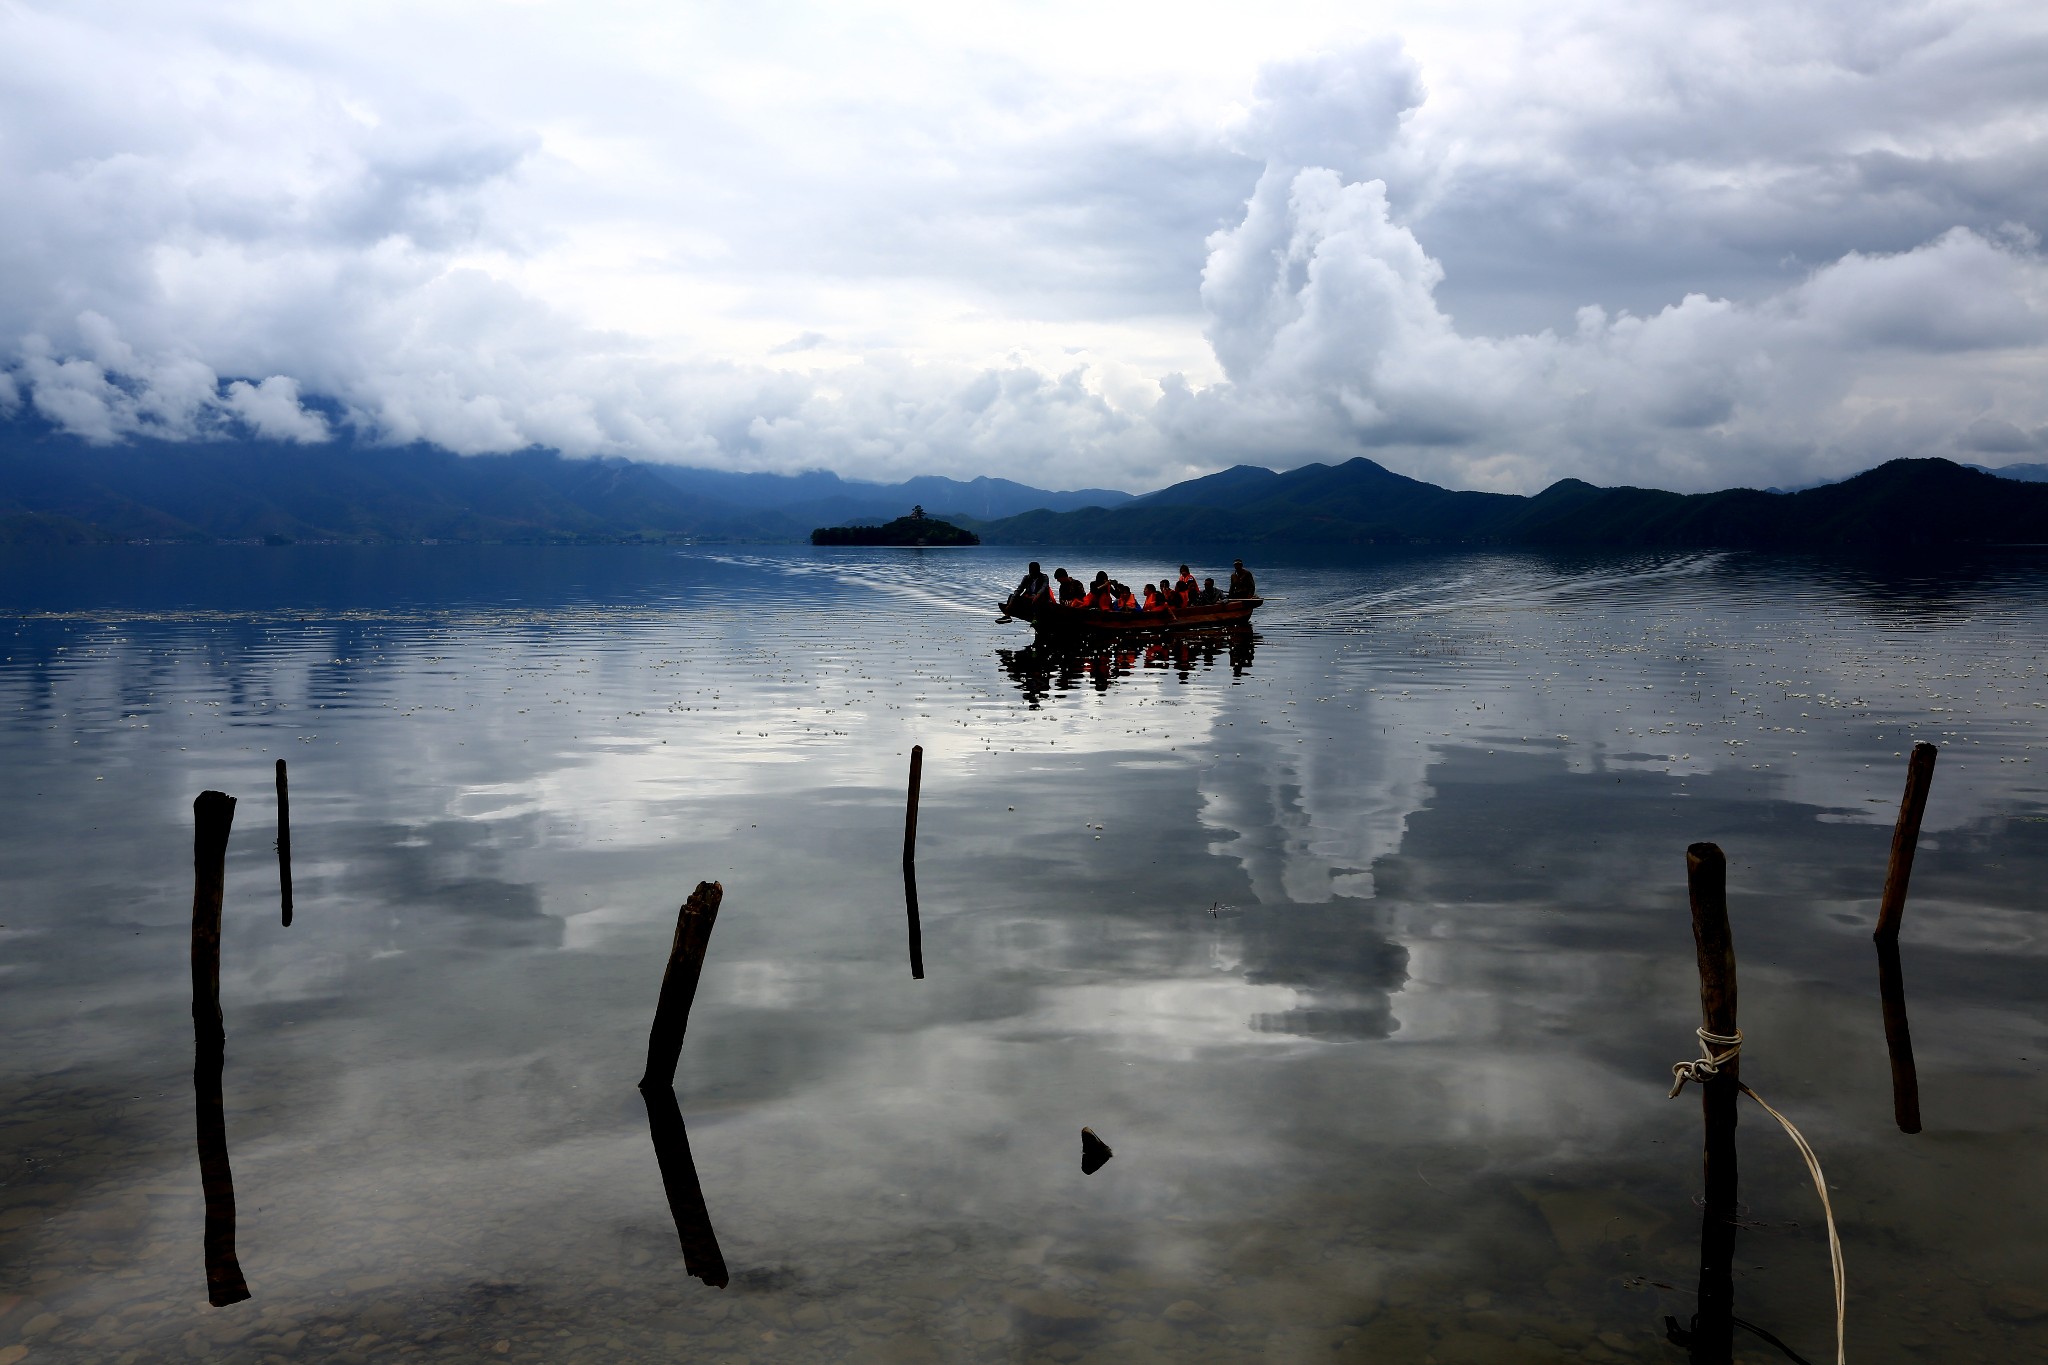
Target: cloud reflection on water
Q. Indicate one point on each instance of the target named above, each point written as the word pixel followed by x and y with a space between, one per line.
pixel 1391 978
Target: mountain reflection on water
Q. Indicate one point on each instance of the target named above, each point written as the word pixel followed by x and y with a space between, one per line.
pixel 1370 960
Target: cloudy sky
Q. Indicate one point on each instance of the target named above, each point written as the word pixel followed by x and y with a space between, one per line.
pixel 1107 244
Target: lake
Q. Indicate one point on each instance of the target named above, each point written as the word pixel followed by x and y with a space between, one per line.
pixel 1362 940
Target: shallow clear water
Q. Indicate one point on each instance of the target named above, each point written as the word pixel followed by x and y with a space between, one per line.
pixel 1363 943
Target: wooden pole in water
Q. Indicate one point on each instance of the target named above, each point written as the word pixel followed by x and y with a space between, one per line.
pixel 213 816
pixel 284 844
pixel 1898 1037
pixel 916 926
pixel 679 983
pixel 910 864
pixel 1713 1331
pixel 701 1256
pixel 1891 908
pixel 910 813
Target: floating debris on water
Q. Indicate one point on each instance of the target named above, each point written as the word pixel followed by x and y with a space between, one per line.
pixel 1095 1152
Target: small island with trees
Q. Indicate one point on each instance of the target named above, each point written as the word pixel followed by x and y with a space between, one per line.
pixel 915 529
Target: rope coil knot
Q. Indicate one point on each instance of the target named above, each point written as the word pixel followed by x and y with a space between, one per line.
pixel 1717 1050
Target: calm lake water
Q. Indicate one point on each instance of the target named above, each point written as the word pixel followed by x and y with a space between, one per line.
pixel 1362 942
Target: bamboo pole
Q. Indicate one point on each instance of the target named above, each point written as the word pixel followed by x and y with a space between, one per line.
pixel 284 844
pixel 1712 1338
pixel 1891 909
pixel 679 983
pixel 1898 1037
pixel 213 816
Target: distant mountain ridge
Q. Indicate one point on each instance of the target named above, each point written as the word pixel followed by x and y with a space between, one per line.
pixel 55 489
pixel 821 497
pixel 1903 504
pixel 2029 473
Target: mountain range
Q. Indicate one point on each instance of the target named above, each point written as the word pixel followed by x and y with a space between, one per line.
pixel 1903 504
pixel 55 489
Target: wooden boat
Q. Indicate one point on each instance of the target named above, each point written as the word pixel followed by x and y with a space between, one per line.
pixel 1049 618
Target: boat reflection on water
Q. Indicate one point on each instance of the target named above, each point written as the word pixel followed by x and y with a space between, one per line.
pixel 1046 666
pixel 701 1256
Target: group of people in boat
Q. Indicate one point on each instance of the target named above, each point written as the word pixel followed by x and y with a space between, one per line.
pixel 1107 594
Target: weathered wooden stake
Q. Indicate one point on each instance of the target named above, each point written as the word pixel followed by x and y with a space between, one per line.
pixel 910 814
pixel 701 1256
pixel 916 927
pixel 1891 908
pixel 679 984
pixel 213 815
pixel 1712 1338
pixel 1898 1037
pixel 284 844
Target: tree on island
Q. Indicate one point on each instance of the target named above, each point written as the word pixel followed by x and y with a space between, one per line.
pixel 915 529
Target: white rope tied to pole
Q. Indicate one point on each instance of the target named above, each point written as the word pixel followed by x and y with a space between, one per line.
pixel 1820 1186
pixel 1708 1065
pixel 1720 1049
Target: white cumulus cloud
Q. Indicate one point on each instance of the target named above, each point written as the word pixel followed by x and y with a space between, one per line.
pixel 1492 244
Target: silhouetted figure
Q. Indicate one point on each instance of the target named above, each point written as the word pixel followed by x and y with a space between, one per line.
pixel 1033 585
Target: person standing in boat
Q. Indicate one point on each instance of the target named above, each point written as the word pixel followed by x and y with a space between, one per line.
pixel 1241 584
